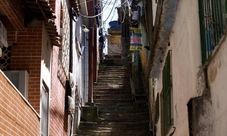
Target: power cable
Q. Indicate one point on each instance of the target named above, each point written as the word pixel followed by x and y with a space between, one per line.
pixel 110 11
pixel 97 14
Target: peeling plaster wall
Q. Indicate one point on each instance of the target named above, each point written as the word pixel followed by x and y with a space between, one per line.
pixel 186 60
pixel 217 76
pixel 185 63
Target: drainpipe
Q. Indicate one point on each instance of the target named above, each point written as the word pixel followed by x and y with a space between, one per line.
pixel 90 6
pixel 94 37
pixel 91 48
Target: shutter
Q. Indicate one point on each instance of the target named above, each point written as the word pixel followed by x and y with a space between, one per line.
pixel 167 85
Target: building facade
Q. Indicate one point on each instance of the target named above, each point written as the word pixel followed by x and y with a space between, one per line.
pixel 44 47
pixel 187 69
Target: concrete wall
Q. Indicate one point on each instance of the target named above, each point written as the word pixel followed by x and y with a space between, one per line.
pixel 185 63
pixel 78 54
pixel 114 45
pixel 17 116
pixel 186 59
pixel 217 76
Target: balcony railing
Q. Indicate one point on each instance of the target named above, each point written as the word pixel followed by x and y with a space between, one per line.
pixel 212 24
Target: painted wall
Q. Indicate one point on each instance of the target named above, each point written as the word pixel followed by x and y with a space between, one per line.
pixel 154 10
pixel 17 116
pixel 78 47
pixel 185 63
pixel 217 76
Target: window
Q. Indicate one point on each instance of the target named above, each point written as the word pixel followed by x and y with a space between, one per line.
pixel 212 24
pixel 167 101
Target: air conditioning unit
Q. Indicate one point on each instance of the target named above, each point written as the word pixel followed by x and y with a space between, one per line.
pixel 20 80
pixel 3 36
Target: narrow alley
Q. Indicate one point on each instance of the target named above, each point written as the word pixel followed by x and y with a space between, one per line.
pixel 116 112
pixel 113 67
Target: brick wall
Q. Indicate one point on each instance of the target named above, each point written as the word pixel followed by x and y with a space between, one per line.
pixel 26 55
pixel 17 117
pixel 59 120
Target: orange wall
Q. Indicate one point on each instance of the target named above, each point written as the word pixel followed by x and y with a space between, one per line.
pixel 26 55
pixel 17 117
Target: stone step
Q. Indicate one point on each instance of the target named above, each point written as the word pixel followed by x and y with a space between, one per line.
pixel 111 86
pixel 117 113
pixel 113 80
pixel 117 69
pixel 126 72
pixel 113 77
pixel 114 133
pixel 116 101
pixel 111 83
pixel 111 91
pixel 122 108
pixel 111 96
pixel 125 117
pixel 115 104
pixel 113 125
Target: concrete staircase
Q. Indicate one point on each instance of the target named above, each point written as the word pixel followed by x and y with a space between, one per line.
pixel 117 112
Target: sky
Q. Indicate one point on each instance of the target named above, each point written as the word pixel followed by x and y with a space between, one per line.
pixel 110 5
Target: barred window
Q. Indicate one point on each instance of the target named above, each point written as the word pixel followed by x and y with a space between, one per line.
pixel 213 20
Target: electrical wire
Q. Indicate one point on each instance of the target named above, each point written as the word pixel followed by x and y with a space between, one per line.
pixel 110 11
pixel 97 14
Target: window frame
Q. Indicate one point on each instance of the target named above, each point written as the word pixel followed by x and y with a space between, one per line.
pixel 213 20
pixel 167 114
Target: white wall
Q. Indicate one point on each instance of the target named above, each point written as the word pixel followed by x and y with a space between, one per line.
pixel 46 58
pixel 217 76
pixel 185 63
pixel 154 10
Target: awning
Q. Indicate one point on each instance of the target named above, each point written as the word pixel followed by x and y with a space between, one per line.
pixel 41 9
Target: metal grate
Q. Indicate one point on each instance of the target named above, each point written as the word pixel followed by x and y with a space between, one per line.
pixel 212 24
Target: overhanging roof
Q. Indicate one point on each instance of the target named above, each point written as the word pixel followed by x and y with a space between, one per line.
pixel 13 13
pixel 41 9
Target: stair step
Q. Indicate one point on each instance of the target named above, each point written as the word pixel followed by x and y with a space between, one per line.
pixel 129 117
pixel 111 91
pixel 114 86
pixel 117 80
pixel 113 125
pixel 113 133
pixel 112 96
pixel 122 109
pixel 113 101
pixel 99 93
pixel 118 113
pixel 111 83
